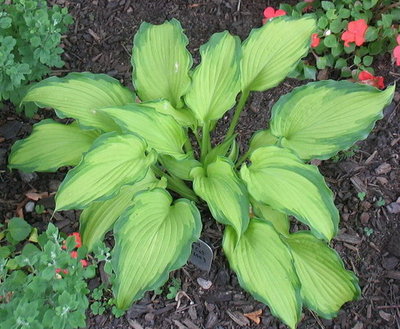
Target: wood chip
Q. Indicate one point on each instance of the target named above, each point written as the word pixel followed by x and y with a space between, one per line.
pixel 94 35
pixel 358 325
pixel 190 324
pixel 179 324
pixel 239 318
pixel 383 169
pixel 134 324
pixel 352 239
pixel 358 184
pixel 205 284
pixel 254 316
pixel 386 316
pixel 393 275
pixel 371 157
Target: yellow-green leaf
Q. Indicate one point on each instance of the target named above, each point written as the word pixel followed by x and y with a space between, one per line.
pixel 278 219
pixel 272 51
pixel 216 81
pixel 322 118
pixel 79 96
pixel 161 62
pixel 112 162
pixel 224 193
pixel 160 131
pixel 325 284
pixel 153 238
pixel 264 268
pixel 99 217
pixel 277 177
pixel 180 168
pixel 50 146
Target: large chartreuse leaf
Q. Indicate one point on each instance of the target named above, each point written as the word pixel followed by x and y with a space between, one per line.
pixel 180 168
pixel 160 131
pixel 183 116
pixel 216 81
pixel 224 193
pixel 278 219
pixel 161 62
pixel 152 239
pixel 79 96
pixel 51 146
pixel 277 177
pixel 264 268
pixel 112 162
pixel 325 284
pixel 272 51
pixel 99 217
pixel 322 118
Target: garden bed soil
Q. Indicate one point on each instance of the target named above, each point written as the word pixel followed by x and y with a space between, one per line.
pixel 100 41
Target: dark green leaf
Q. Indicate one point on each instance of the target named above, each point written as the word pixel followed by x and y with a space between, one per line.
pixel 327 5
pixel 367 60
pixel 372 34
pixel 19 229
pixel 330 41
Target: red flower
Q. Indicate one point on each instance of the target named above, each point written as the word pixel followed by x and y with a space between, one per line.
pixel 84 262
pixel 74 254
pixel 368 79
pixel 355 32
pixel 78 241
pixel 270 12
pixel 396 51
pixel 315 40
pixel 60 270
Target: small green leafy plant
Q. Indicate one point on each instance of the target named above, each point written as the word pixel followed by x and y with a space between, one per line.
pixel 129 154
pixel 42 284
pixel 336 46
pixel 30 35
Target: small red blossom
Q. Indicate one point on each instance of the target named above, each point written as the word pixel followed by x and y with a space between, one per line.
pixel 315 40
pixel 60 270
pixel 396 51
pixel 355 32
pixel 368 79
pixel 270 13
pixel 84 262
pixel 78 240
pixel 74 254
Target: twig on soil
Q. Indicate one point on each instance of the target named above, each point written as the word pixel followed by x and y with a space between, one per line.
pixel 382 307
pixel 318 320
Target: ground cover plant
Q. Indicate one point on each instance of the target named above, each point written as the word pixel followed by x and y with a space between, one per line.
pixel 349 36
pixel 135 152
pixel 43 278
pixel 30 37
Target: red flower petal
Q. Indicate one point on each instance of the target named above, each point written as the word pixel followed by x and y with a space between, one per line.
pixel 84 262
pixel 396 55
pixel 365 75
pixel 358 27
pixel 78 240
pixel 280 12
pixel 348 37
pixel 74 254
pixel 315 40
pixel 398 39
pixel 269 12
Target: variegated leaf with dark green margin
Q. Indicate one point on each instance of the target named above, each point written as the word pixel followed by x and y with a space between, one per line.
pixel 183 116
pixel 278 219
pixel 180 168
pixel 112 162
pixel 224 192
pixel 277 177
pixel 325 284
pixel 99 217
pixel 264 267
pixel 322 118
pixel 216 81
pixel 272 51
pixel 152 238
pixel 79 96
pixel 50 146
pixel 160 131
pixel 161 62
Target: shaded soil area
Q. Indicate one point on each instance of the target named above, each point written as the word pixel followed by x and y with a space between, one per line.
pixel 365 180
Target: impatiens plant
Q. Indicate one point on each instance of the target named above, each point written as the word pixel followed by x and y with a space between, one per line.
pixel 144 160
pixel 351 33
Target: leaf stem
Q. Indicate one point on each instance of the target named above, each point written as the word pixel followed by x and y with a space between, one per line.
pixel 205 140
pixel 238 111
pixel 242 159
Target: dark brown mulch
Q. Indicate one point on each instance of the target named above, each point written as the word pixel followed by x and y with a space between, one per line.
pixel 101 41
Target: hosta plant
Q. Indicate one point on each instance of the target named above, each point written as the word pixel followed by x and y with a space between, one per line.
pixel 131 149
